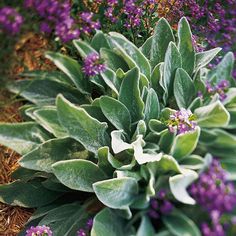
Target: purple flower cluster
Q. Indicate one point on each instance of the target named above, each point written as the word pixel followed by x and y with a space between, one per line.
pixel 214 193
pixel 85 231
pixel 109 13
pixel 39 231
pixel 133 13
pixel 56 17
pixel 182 121
pixel 10 20
pixel 87 23
pixel 160 205
pixel 221 88
pixel 93 65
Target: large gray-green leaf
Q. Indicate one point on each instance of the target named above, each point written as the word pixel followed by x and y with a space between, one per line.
pixel 163 35
pixel 116 112
pixel 138 57
pixel 50 152
pixel 117 142
pixel 180 225
pixel 113 60
pixel 184 144
pixel 131 97
pixel 99 41
pixel 44 92
pixel 165 165
pixel 184 89
pixel 139 154
pixel 78 174
pixel 179 184
pixel 212 115
pixel 81 126
pixel 30 194
pixel 109 77
pixel 72 69
pixel 83 48
pixel 203 58
pixel 22 137
pixel 117 193
pixel 145 227
pixel 152 106
pixel 171 64
pixel 146 47
pixel 185 46
pixel 107 222
pixel 225 67
pixel 66 219
pixel 47 117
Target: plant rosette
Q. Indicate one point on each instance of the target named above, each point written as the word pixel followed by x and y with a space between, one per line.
pixel 123 136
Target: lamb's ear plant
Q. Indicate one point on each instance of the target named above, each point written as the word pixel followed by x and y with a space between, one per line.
pixel 105 137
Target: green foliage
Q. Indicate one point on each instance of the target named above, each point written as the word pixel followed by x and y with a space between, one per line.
pixel 106 138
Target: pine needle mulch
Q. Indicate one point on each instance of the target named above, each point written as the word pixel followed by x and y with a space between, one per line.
pixel 28 54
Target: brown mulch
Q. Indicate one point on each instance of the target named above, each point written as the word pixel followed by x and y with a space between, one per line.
pixel 28 54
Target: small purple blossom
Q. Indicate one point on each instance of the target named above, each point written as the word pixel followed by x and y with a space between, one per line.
pixel 160 205
pixel 39 231
pixel 93 65
pixel 88 25
pixel 10 20
pixel 182 121
pixel 212 191
pixel 86 231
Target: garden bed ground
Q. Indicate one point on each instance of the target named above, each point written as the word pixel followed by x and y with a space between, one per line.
pixel 28 53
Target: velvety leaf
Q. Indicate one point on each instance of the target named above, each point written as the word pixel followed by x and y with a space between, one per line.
pixel 225 68
pixel 131 98
pixel 116 112
pixel 83 48
pixel 166 164
pixel 179 224
pixel 152 106
pixel 116 193
pixel 99 41
pixel 50 152
pixel 203 58
pixel 47 117
pixel 81 126
pixel 146 47
pixel 140 60
pixel 184 144
pixel 185 46
pixel 145 227
pixel 109 77
pixel 156 78
pixel 30 194
pixel 193 162
pixel 184 89
pixel 103 162
pixel 139 154
pixel 78 174
pixel 48 75
pixel 171 64
pixel 179 184
pixel 163 35
pixel 71 68
pixel 107 222
pixel 66 219
pixel 44 92
pixel 112 60
pixel 22 137
pixel 212 115
pixel 117 142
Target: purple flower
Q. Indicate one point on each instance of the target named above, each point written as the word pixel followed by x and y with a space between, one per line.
pixel 87 23
pixel 81 232
pixel 10 20
pixel 39 231
pixel 93 65
pixel 159 205
pixel 213 191
pixel 182 121
pixel 86 231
